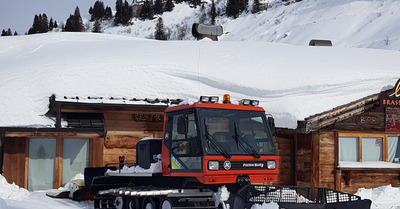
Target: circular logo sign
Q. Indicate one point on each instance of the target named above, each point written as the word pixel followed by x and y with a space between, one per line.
pixel 227 165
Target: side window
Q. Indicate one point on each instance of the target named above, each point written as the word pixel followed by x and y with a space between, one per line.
pixel 186 144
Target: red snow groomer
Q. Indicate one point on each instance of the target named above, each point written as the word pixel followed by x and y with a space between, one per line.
pixel 207 146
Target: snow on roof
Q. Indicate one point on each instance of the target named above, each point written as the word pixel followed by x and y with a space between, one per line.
pixel 291 82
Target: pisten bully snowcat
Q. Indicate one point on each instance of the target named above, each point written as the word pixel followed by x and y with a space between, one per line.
pixel 207 146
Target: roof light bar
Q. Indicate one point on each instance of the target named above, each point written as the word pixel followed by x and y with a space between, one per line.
pixel 207 99
pixel 255 102
pixel 249 102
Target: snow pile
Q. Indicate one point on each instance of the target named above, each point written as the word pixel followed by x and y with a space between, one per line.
pixel 381 197
pixel 78 179
pixel 11 191
pixel 154 168
pixel 271 205
pixel 221 196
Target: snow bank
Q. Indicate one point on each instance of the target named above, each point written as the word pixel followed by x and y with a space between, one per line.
pixel 154 168
pixel 271 205
pixel 382 197
pixel 11 192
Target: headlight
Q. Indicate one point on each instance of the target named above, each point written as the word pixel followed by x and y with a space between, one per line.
pixel 271 164
pixel 213 165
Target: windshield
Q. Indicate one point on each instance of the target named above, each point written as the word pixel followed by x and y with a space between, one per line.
pixel 233 132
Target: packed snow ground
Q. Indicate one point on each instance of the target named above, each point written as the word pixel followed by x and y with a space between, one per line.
pixel 13 197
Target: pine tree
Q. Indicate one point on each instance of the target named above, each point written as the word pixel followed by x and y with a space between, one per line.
pixel 9 32
pixel 91 10
pixel 232 8
pixel 243 6
pixel 108 13
pixel 35 26
pixel 160 30
pixel 147 10
pixel 98 11
pixel 3 33
pixel 78 20
pixel 15 33
pixel 256 7
pixel 169 6
pixel 55 24
pixel 123 13
pixel 43 23
pixel 40 24
pixel 203 16
pixel 213 13
pixel 97 27
pixel 74 23
pixel 158 7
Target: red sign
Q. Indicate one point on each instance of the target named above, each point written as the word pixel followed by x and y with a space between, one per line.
pixel 392 120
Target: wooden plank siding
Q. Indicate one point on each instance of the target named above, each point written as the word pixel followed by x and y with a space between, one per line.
pixel 284 176
pixel 327 160
pixel 15 155
pixel 303 160
pixel 122 123
pixel 369 179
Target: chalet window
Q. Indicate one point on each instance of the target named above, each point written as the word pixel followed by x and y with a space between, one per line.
pixel 372 148
pixel 85 120
pixel 75 157
pixel 42 154
pixel 394 149
pixel 348 149
pixel 360 147
pixel 43 166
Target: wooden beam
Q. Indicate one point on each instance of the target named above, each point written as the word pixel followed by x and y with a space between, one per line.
pixel 26 174
pixel 50 134
pixel 59 162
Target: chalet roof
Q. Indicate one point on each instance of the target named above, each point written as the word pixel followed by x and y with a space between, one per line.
pixel 96 104
pixel 340 113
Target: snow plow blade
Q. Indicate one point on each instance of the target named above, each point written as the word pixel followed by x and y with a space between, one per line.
pixel 292 197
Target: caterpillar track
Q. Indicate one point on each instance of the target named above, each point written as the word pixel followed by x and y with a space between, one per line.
pixel 151 198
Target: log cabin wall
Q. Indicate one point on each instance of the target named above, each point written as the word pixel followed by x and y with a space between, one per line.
pixel 126 128
pixel 303 160
pixel 17 156
pixel 284 176
pixel 324 163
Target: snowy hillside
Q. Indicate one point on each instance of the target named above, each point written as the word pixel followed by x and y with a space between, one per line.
pixel 291 82
pixel 347 23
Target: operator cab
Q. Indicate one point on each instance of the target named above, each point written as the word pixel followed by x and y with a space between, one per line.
pixel 219 141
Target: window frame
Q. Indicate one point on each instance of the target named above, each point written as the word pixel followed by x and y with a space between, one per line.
pixel 361 135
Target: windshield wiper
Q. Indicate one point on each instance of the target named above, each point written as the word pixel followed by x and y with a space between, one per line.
pixel 214 144
pixel 244 144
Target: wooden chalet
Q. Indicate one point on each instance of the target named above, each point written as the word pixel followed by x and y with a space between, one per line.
pixel 352 146
pixel 91 132
pixel 86 133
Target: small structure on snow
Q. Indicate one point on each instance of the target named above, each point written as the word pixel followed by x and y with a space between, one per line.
pixel 317 42
pixel 201 31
